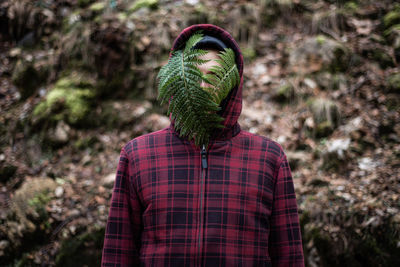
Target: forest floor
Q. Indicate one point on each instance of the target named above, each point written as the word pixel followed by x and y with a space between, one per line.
pixel 353 168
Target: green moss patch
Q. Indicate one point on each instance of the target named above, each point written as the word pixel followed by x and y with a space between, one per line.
pixel 392 18
pixel 138 4
pixel 394 82
pixel 70 100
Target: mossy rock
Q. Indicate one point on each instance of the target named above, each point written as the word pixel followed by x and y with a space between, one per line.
pixel 324 129
pixel 69 100
pixel 319 53
pixel 27 222
pixel 30 200
pixel 329 81
pixel 98 6
pixel 28 77
pixel 284 93
pixel 138 4
pixel 334 20
pixel 85 249
pixel 326 116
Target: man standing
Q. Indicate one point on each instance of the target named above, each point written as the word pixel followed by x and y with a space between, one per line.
pixel 230 202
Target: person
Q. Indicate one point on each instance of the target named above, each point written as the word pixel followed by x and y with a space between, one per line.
pixel 230 204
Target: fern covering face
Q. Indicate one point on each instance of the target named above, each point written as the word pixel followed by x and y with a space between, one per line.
pixel 210 57
pixel 195 81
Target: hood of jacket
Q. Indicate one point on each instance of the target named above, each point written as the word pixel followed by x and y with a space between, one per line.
pixel 231 106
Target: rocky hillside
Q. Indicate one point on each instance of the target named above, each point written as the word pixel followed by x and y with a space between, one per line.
pixel 78 81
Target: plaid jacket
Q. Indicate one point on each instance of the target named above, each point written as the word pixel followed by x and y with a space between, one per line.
pixel 231 204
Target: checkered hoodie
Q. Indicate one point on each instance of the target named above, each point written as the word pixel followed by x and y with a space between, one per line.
pixel 230 204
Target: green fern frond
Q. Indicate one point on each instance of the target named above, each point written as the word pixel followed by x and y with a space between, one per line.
pixel 192 41
pixel 223 77
pixel 192 108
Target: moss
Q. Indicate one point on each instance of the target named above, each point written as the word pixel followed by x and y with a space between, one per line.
pixel 69 100
pixel 84 143
pixel 122 16
pixel 384 59
pixel 98 6
pixel 324 129
pixel 39 202
pixel 284 93
pixel 74 101
pixel 350 7
pixel 249 53
pixel 138 4
pixel 30 200
pixel 391 30
pixel 328 81
pixel 392 18
pixel 27 220
pixel 326 116
pixel 71 22
pixel 394 82
pixel 340 60
pixel 321 39
pixel 85 249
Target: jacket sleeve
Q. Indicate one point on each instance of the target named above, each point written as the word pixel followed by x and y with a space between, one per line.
pixel 123 229
pixel 285 243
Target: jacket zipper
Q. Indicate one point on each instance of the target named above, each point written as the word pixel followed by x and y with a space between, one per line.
pixel 203 154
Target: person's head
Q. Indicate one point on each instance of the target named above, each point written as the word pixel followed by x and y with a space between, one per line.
pixel 195 107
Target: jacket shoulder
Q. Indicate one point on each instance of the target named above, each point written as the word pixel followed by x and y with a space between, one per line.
pixel 258 141
pixel 147 141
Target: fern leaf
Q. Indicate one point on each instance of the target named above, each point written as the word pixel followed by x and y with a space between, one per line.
pixel 192 108
pixel 223 77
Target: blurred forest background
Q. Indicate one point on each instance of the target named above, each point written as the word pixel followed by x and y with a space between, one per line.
pixel 78 81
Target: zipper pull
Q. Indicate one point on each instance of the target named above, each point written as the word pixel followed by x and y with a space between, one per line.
pixel 204 157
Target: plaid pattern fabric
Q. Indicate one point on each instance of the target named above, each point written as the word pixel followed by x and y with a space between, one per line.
pixel 169 210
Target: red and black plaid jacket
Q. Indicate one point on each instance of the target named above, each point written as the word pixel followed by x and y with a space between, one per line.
pixel 233 204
